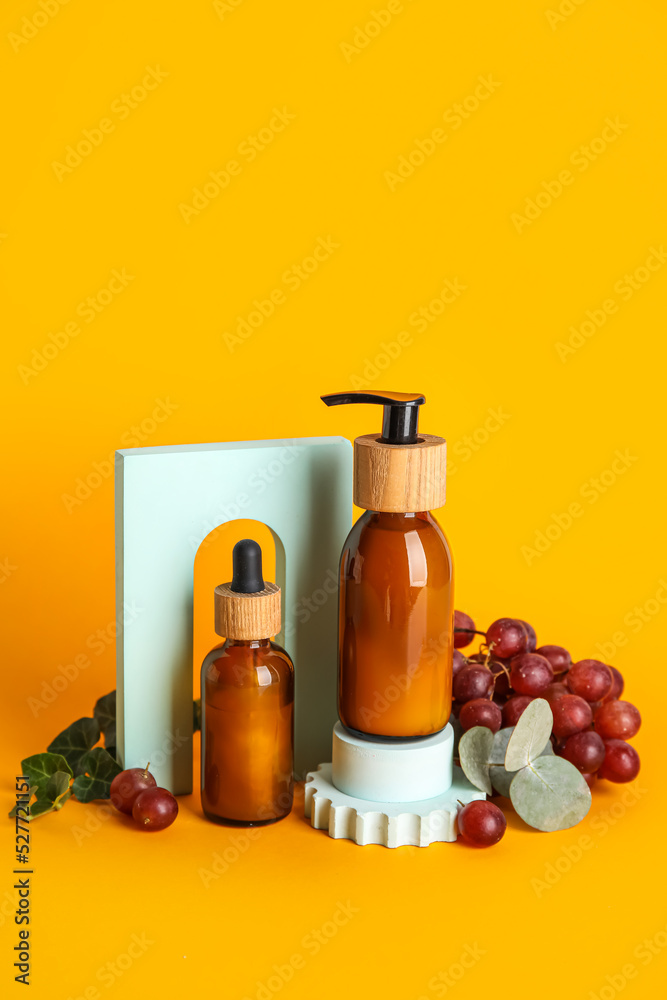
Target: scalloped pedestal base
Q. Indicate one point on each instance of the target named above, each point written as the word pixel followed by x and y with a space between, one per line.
pixel 391 824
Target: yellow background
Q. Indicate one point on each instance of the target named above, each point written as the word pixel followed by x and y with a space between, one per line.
pixel 494 348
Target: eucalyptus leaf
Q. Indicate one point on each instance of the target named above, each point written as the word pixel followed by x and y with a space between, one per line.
pixel 57 785
pixel 100 769
pixel 105 714
pixel 40 768
pixel 500 777
pixel 75 742
pixel 531 735
pixel 550 794
pixel 474 753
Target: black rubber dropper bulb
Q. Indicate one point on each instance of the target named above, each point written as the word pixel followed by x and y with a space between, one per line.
pixel 247 567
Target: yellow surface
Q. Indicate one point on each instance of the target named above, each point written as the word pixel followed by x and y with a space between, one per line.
pixel 546 425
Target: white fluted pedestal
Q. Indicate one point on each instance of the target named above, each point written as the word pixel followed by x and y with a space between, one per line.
pixel 394 794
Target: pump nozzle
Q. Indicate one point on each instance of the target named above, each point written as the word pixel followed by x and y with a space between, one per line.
pixel 400 418
pixel 247 567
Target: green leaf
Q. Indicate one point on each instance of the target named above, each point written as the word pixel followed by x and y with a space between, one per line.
pixel 41 767
pixel 530 735
pixel 196 715
pixel 474 753
pixel 40 807
pixel 12 811
pixel 57 785
pixel 105 714
pixel 550 794
pixel 100 769
pixel 75 742
pixel 501 779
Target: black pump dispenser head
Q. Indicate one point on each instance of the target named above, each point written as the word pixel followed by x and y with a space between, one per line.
pixel 400 419
pixel 247 567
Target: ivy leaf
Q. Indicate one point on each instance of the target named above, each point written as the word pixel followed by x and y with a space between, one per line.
pixel 105 714
pixel 39 769
pixel 550 794
pixel 100 769
pixel 530 735
pixel 501 778
pixel 474 753
pixel 196 715
pixel 75 742
pixel 40 807
pixel 19 805
pixel 57 785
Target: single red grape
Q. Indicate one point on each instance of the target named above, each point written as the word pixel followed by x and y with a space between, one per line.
pixel 558 657
pixel 508 636
pixel 464 629
pixel 571 715
pixel 617 685
pixel 617 720
pixel 590 779
pixel 481 823
pixel 584 750
pixel 590 679
pixel 481 712
pixel 458 661
pixel 155 809
pixel 554 691
pixel 127 785
pixel 530 674
pixel 514 709
pixel 621 762
pixel 531 640
pixel 456 708
pixel 473 681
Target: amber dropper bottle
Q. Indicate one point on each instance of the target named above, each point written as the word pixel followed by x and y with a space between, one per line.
pixel 395 581
pixel 247 688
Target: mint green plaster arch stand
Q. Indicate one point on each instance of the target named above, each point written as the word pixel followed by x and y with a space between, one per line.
pixel 168 499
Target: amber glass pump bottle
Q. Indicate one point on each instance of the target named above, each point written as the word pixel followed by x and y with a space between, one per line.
pixel 247 698
pixel 395 582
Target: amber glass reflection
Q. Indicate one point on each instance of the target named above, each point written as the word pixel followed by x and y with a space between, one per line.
pixel 395 627
pixel 247 732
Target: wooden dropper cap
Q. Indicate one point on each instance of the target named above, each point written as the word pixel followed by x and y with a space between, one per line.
pixel 247 608
pixel 401 470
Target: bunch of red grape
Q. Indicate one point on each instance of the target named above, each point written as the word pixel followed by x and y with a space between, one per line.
pixel 591 725
pixel 135 792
